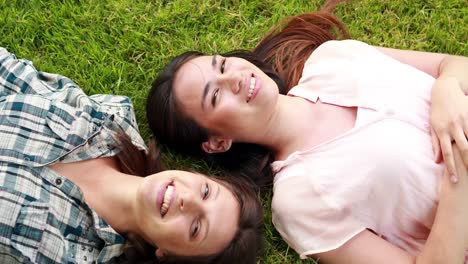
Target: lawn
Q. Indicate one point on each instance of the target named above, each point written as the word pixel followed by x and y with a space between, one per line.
pixel 119 46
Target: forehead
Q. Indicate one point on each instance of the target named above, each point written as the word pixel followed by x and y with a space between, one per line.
pixel 224 220
pixel 194 72
pixel 190 81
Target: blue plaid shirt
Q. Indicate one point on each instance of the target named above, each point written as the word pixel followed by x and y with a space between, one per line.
pixel 46 118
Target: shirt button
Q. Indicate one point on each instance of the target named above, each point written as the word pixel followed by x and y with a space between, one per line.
pixel 85 258
pixel 90 249
pixel 58 181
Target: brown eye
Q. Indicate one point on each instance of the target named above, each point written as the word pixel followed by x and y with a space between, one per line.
pixel 215 97
pixel 206 191
pixel 195 228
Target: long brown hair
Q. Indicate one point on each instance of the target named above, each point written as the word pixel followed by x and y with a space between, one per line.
pixel 247 243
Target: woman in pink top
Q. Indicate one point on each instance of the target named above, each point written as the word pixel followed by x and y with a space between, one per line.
pixel 353 145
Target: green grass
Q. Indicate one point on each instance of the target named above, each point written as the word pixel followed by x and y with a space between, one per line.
pixel 119 46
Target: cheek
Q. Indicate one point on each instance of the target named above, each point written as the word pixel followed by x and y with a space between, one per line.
pixel 272 88
pixel 223 117
pixel 171 234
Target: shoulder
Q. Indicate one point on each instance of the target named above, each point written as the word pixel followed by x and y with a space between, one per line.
pixel 47 220
pixel 336 56
pixel 340 49
pixel 116 104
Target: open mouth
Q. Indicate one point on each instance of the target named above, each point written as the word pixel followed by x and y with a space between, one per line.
pixel 251 92
pixel 167 195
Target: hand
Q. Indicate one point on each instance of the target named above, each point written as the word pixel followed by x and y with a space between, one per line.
pixel 449 121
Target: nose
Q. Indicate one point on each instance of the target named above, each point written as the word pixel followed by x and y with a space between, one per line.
pixel 231 80
pixel 189 203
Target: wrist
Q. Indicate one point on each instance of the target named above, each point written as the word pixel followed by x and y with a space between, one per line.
pixel 455 67
pixel 445 82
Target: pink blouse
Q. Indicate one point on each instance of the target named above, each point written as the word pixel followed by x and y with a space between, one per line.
pixel 380 175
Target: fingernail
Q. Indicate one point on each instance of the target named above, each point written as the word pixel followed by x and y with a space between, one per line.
pixel 453 179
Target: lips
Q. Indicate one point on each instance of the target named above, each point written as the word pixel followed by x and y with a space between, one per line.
pixel 165 197
pixel 253 86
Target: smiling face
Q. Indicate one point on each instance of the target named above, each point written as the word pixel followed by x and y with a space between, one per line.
pixel 229 96
pixel 186 214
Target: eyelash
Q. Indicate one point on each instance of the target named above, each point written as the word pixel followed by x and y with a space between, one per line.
pixel 195 229
pixel 196 226
pixel 215 97
pixel 206 191
pixel 216 91
pixel 223 65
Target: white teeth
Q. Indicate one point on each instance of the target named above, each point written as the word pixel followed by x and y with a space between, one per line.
pixel 251 88
pixel 167 199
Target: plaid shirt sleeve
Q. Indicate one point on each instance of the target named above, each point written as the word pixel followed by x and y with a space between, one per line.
pixel 19 76
pixel 46 118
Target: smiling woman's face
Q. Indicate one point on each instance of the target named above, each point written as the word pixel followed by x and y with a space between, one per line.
pixel 186 214
pixel 229 96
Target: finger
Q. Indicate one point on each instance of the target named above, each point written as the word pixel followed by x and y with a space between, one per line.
pixel 465 132
pixel 460 168
pixel 462 144
pixel 436 146
pixel 447 153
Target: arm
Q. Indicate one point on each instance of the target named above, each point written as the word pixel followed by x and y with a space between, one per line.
pixel 449 233
pixel 366 248
pixel 449 111
pixel 435 64
pixel 19 76
pixel 446 243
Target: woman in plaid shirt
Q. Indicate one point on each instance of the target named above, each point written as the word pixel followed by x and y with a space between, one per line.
pixel 68 193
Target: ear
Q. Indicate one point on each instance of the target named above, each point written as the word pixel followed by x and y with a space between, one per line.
pixel 160 253
pixel 216 145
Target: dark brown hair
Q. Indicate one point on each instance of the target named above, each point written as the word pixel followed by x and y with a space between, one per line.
pixel 280 54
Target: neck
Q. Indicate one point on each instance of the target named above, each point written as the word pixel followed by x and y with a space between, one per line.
pixel 283 134
pixel 109 192
pixel 113 198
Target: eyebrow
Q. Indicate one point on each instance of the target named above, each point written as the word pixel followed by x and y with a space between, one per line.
pixel 207 86
pixel 208 222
